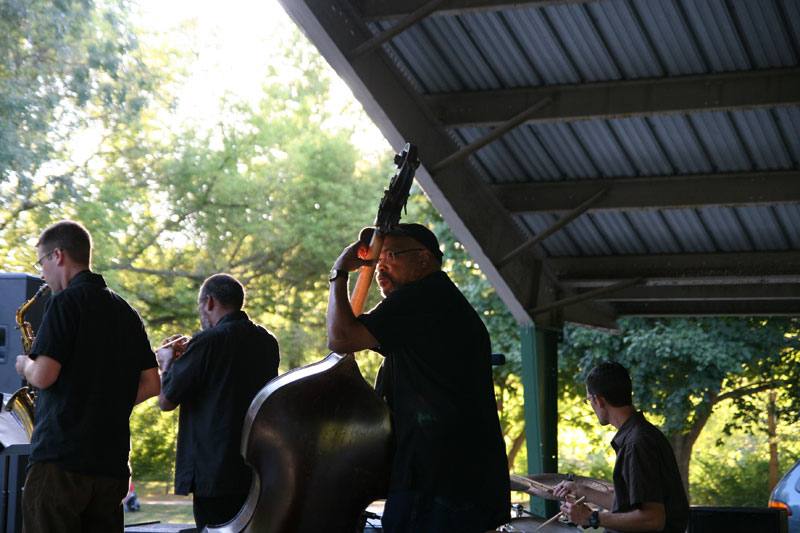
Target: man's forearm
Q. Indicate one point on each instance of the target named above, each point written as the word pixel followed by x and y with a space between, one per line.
pixel 343 330
pixel 339 313
pixel 41 372
pixel 570 491
pixel 345 333
pixel 601 498
pixel 650 517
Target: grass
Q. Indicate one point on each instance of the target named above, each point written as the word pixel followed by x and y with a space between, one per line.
pixel 159 504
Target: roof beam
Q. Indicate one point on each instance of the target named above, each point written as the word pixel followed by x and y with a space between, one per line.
pixel 635 291
pixel 710 308
pixel 622 99
pixel 653 192
pixel 557 226
pixel 493 135
pixel 592 314
pixel 727 292
pixel 687 268
pixel 582 297
pixel 375 10
pixel 408 21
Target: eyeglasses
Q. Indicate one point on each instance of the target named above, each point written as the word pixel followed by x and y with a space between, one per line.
pixel 588 400
pixel 392 256
pixel 38 264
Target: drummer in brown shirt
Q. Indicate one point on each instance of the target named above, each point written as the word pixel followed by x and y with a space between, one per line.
pixel 648 491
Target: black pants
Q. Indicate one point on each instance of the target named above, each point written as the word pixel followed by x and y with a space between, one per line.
pixel 414 512
pixel 216 510
pixel 58 501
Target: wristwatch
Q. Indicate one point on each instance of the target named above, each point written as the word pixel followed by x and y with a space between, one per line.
pixel 594 521
pixel 336 273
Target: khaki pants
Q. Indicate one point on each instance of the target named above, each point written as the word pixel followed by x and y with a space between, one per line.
pixel 57 501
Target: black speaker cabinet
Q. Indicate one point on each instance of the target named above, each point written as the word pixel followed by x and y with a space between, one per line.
pixel 737 520
pixel 13 462
pixel 15 290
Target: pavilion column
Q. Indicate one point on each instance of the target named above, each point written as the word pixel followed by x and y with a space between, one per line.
pixel 539 347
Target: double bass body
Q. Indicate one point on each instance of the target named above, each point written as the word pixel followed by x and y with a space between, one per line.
pixel 320 441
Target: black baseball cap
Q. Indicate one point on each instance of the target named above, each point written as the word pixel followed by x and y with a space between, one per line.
pixel 419 233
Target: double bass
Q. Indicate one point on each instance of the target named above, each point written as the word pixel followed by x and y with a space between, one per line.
pixel 319 438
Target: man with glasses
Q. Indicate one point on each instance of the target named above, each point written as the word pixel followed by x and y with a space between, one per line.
pixel 450 469
pixel 648 491
pixel 91 362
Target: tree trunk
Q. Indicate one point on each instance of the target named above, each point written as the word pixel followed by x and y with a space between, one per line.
pixel 515 447
pixel 773 441
pixel 682 444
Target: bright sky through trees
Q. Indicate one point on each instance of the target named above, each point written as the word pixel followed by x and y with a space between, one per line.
pixel 237 41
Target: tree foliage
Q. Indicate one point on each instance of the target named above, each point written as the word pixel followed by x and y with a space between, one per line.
pixel 271 194
pixel 734 469
pixel 66 67
pixel 154 437
pixel 683 368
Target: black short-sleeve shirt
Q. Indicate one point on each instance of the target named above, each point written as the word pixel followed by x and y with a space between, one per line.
pixel 437 380
pixel 81 420
pixel 214 382
pixel 646 471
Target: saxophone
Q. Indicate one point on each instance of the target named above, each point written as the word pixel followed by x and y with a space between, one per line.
pixel 21 402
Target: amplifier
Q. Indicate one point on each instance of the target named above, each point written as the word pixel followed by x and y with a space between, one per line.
pixel 737 520
pixel 15 290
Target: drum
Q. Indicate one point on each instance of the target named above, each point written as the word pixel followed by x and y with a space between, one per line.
pixel 531 523
pixel 541 485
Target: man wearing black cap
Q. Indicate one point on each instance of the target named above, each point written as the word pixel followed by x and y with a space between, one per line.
pixel 450 470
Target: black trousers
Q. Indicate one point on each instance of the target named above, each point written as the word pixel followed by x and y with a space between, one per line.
pixel 216 510
pixel 58 501
pixel 414 512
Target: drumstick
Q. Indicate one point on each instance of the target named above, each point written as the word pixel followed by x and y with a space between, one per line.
pixel 558 514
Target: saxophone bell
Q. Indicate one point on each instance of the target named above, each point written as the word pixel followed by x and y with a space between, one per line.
pixel 22 404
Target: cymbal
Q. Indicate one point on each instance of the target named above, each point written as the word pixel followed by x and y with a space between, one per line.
pixel 541 485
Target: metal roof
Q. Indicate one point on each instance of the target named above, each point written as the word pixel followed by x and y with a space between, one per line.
pixel 598 158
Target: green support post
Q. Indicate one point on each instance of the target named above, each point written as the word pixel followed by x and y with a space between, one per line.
pixel 539 348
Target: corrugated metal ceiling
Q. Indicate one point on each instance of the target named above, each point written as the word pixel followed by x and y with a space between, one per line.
pixel 471 65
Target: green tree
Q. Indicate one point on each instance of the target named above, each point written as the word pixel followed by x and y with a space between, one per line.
pixel 683 368
pixel 66 68
pixel 734 470
pixel 154 437
pixel 271 195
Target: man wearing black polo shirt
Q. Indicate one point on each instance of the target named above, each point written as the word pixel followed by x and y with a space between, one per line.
pixel 450 470
pixel 214 380
pixel 648 491
pixel 91 362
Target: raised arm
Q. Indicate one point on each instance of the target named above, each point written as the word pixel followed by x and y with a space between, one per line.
pixel 165 357
pixel 345 333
